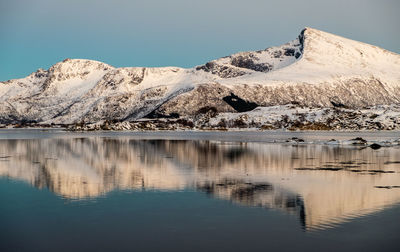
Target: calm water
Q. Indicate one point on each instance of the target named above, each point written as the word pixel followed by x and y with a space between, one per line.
pixel 238 191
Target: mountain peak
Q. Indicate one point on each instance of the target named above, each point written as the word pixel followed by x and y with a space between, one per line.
pixel 79 65
pixel 340 55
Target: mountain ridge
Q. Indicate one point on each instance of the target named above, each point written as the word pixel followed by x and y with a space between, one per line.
pixel 316 69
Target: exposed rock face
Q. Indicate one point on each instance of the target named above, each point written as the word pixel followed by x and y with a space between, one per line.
pixel 239 104
pixel 317 69
pixel 259 61
pixel 221 70
pixel 351 93
pixel 203 95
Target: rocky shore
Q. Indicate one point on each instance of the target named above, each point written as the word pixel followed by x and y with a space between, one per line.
pixel 289 117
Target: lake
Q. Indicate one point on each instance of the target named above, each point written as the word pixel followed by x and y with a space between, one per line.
pixel 197 191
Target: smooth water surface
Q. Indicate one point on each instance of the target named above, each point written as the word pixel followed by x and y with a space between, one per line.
pixel 237 191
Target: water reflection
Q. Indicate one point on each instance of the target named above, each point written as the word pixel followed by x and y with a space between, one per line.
pixel 322 185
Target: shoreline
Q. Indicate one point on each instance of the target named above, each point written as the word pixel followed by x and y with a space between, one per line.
pixel 358 139
pixel 90 128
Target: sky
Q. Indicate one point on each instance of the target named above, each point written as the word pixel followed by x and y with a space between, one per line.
pixel 39 33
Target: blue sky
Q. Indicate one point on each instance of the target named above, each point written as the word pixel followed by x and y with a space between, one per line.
pixel 37 34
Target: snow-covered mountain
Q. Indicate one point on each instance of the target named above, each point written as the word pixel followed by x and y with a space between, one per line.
pixel 316 69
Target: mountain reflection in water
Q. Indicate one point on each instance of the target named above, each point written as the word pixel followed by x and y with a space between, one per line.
pixel 323 185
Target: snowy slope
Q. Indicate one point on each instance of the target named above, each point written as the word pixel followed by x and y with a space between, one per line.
pixel 315 69
pixel 326 56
